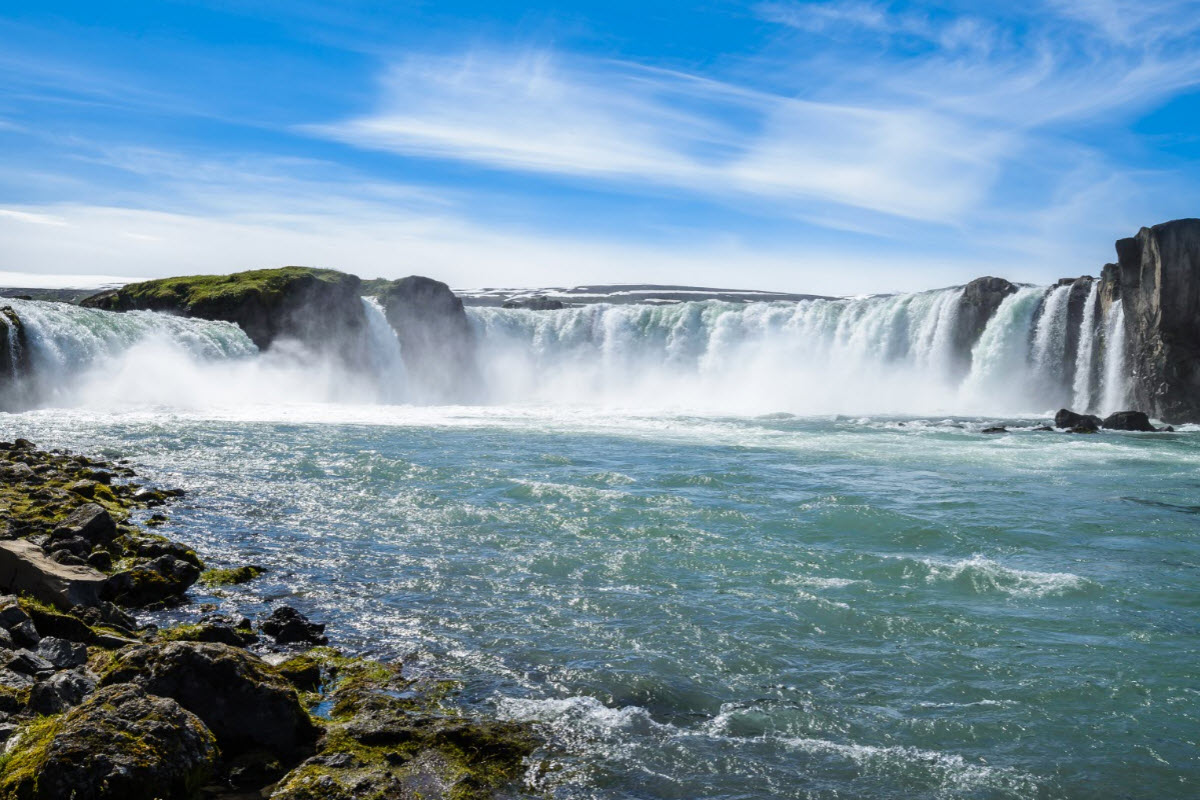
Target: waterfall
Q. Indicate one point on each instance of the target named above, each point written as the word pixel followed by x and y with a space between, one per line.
pixel 1115 381
pixel 99 359
pixel 1085 365
pixel 1000 370
pixel 887 353
pixel 385 360
pixel 898 354
pixel 1050 345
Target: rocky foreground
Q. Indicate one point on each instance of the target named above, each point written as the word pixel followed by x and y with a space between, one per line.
pixel 94 705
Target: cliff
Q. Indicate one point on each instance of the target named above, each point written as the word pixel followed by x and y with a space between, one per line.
pixel 319 307
pixel 1157 279
pixel 435 338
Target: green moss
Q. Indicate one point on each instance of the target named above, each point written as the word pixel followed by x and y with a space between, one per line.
pixel 230 577
pixel 186 632
pixel 22 765
pixel 190 291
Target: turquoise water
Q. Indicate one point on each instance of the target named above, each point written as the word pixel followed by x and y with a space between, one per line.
pixel 723 607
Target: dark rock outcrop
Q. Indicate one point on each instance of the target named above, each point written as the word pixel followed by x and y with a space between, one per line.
pixel 1158 283
pixel 286 625
pixel 120 743
pixel 246 704
pixel 535 303
pixel 319 307
pixel 436 339
pixel 1066 418
pixel 1128 421
pixel 162 580
pixel 980 299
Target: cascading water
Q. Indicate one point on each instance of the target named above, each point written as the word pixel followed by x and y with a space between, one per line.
pixel 811 356
pixel 1115 382
pixel 1085 366
pixel 81 356
pixel 1050 345
pixel 383 351
pixel 899 354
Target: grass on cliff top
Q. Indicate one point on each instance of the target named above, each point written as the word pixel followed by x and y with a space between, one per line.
pixel 192 289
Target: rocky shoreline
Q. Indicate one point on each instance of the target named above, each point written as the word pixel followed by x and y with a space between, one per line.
pixel 94 704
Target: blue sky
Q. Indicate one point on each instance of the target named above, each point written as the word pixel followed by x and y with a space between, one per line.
pixel 833 147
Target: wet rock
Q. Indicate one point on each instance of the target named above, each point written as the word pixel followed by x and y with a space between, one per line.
pixel 246 704
pixel 1128 421
pixel 163 580
pixel 146 547
pixel 25 568
pixel 301 671
pixel 436 339
pixel 120 744
pixel 995 429
pixel 62 653
pixel 980 299
pixel 61 691
pixel 213 629
pixel 286 625
pixel 1066 418
pixel 89 522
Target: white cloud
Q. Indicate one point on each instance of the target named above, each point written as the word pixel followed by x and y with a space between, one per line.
pixel 32 218
pixel 542 113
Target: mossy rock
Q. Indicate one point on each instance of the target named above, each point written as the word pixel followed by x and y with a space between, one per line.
pixel 313 305
pixel 120 744
pixel 246 703
pixel 234 576
pixel 388 736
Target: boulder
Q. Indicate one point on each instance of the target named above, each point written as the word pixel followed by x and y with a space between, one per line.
pixel 25 568
pixel 286 625
pixel 246 704
pixel 319 307
pixel 120 744
pixel 995 429
pixel 162 580
pixel 61 691
pixel 90 522
pixel 436 340
pixel 25 662
pixel 1158 283
pixel 1066 418
pixel 62 653
pixel 1128 421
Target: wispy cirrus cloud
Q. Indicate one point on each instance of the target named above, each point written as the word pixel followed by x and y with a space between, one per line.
pixel 616 121
pixel 930 133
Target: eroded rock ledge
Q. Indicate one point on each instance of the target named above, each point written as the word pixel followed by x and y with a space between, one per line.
pixel 94 705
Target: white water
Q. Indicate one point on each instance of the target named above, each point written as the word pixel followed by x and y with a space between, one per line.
pixel 99 359
pixel 887 354
pixel 1115 386
pixel 1050 342
pixel 1084 365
